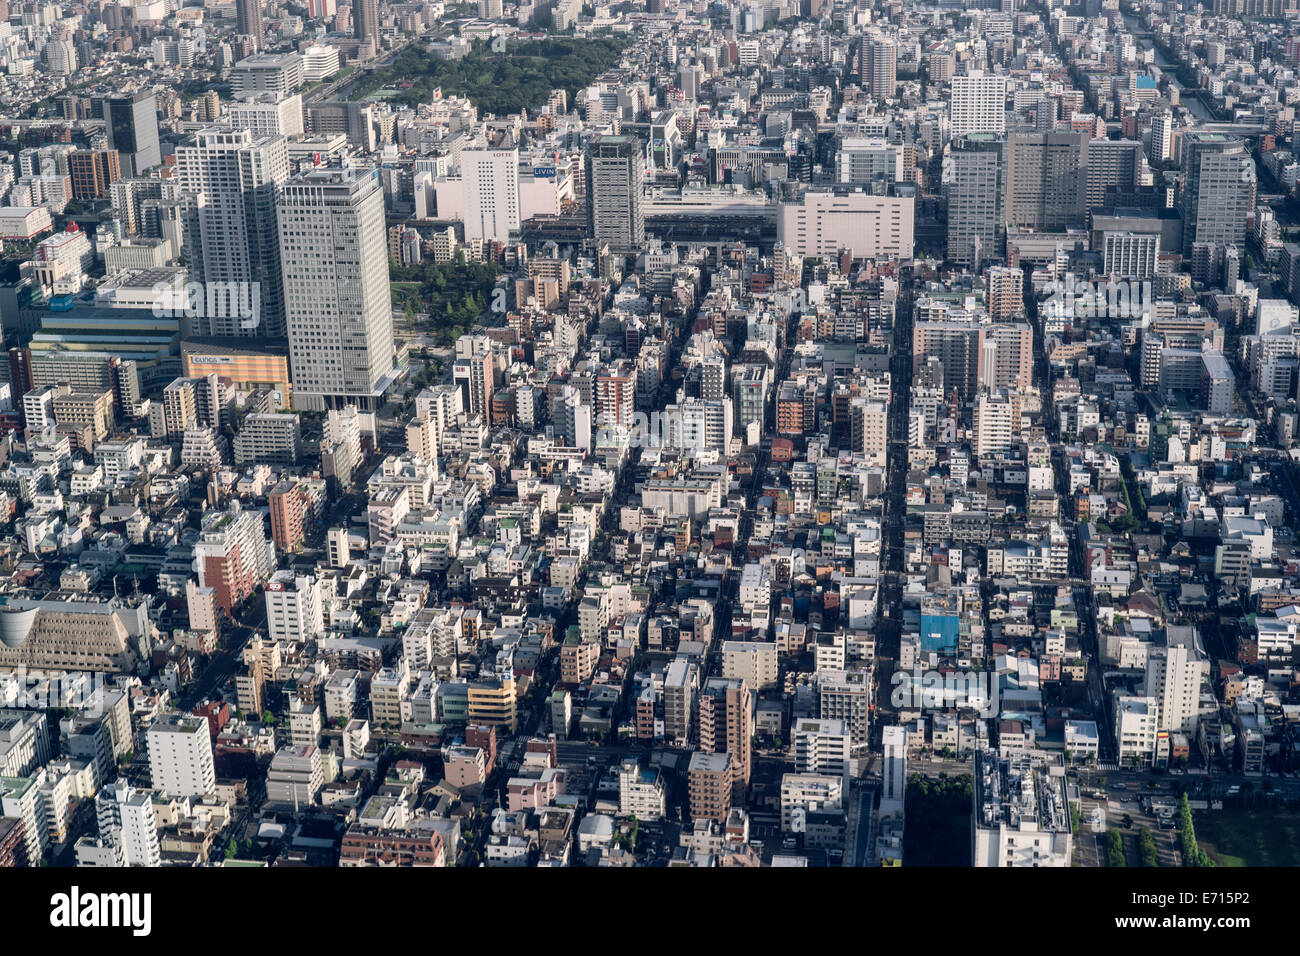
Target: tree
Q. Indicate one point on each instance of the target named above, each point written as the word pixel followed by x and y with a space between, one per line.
pixel 1147 848
pixel 1115 849
pixel 1193 855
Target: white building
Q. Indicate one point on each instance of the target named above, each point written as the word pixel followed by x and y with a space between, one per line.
pixel 978 104
pixel 232 177
pixel 126 821
pixel 640 791
pixel 803 793
pixel 1021 809
pixel 294 611
pixel 267 115
pixel 490 180
pixel 1136 723
pixel 821 746
pixel 1173 678
pixel 894 771
pixel 180 756
pixel 824 222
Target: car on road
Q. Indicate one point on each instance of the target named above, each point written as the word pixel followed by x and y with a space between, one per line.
pixel 1119 786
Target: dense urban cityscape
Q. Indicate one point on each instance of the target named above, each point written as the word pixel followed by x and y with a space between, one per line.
pixel 788 433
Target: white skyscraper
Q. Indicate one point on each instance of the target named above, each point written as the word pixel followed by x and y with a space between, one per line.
pixel 126 820
pixel 978 104
pixel 491 182
pixel 337 304
pixel 180 756
pixel 231 242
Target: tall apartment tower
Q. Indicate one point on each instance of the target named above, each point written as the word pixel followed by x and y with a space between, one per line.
pixel 1161 149
pixel 1173 678
pixel 490 178
pixel 1006 293
pixel 973 176
pixel 996 423
pixel 232 178
pixel 180 756
pixel 725 726
pixel 1218 189
pixel 614 179
pixel 957 346
pixel 1006 355
pixel 338 310
pixel 878 67
pixel 1044 180
pixel 248 20
pixel 365 18
pixel 131 122
pixel 978 104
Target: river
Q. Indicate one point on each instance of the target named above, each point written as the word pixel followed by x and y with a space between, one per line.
pixel 1192 102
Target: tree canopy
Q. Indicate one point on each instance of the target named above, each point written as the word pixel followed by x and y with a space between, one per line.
pixel 498 82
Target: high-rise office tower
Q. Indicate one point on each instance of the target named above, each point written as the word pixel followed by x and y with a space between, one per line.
pixel 231 241
pixel 1043 181
pixel 1112 164
pixel 490 178
pixel 1218 189
pixel 878 66
pixel 248 20
pixel 131 122
pixel 973 176
pixel 337 304
pixel 93 171
pixel 365 17
pixel 978 104
pixel 614 214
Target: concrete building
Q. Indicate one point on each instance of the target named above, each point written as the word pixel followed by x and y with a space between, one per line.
pixel 337 291
pixel 180 756
pixel 1021 813
pixel 826 222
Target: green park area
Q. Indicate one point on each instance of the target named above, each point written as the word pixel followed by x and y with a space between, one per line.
pixel 444 299
pixel 496 81
pixel 1250 837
